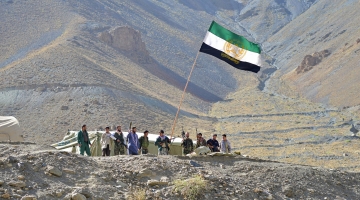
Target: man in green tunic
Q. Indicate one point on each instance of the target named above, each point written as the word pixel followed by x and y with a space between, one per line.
pixel 144 143
pixel 187 144
pixel 84 141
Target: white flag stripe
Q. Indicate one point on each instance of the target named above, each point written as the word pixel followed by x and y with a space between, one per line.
pixel 218 43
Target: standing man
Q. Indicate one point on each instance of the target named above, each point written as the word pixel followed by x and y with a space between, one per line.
pixel 162 142
pixel 105 141
pixel 84 141
pixel 133 142
pixel 225 145
pixel 119 142
pixel 144 143
pixel 200 141
pixel 187 144
pixel 213 144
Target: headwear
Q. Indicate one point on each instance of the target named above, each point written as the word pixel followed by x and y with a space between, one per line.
pixel 200 134
pixel 161 131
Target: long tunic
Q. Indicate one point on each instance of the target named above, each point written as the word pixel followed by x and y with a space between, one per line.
pixel 133 143
pixel 225 146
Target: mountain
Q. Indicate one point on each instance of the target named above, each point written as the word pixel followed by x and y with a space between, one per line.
pixel 65 63
pixel 299 48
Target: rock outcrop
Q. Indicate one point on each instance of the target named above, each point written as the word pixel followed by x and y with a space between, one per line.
pixel 128 41
pixel 311 60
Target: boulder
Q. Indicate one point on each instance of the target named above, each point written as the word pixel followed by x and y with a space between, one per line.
pixel 19 184
pixel 77 196
pixel 146 173
pixel 288 191
pixel 156 182
pixel 5 196
pixel 84 191
pixel 54 171
pixel 29 197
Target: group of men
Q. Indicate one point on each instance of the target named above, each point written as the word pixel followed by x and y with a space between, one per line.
pixel 213 144
pixel 136 145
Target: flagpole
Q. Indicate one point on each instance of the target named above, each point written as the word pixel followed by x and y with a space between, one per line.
pixel 183 94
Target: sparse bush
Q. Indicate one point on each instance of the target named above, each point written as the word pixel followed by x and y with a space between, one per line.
pixel 192 187
pixel 137 194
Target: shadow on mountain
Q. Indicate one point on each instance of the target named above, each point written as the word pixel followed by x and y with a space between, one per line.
pixel 176 80
pixel 211 6
pixel 158 12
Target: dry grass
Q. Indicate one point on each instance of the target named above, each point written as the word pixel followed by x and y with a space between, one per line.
pixel 191 188
pixel 137 194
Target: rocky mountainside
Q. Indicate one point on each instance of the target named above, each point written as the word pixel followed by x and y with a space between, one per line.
pixel 326 26
pixel 50 174
pixel 66 63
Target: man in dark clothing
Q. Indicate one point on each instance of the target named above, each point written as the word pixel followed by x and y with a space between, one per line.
pixel 187 144
pixel 119 142
pixel 84 141
pixel 213 144
pixel 162 142
pixel 144 143
pixel 200 141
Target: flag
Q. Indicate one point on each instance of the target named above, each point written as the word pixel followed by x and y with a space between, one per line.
pixel 234 49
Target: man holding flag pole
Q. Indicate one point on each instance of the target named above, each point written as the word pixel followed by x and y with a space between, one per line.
pixel 225 45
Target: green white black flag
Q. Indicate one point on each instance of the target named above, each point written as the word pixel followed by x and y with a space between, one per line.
pixel 234 49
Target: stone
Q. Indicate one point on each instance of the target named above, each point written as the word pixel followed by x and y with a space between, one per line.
pixel 11 159
pixel 16 196
pixel 288 191
pixel 21 166
pixel 121 184
pixel 5 196
pixel 1 182
pixel 156 182
pixel 29 197
pixel 21 177
pixel 19 184
pixel 194 164
pixel 77 196
pixel 54 171
pixel 146 173
pixel 164 179
pixel 84 191
pixel 58 193
pixel 69 171
pixel 68 197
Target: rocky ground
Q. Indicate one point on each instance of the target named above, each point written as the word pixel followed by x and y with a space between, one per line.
pixel 37 172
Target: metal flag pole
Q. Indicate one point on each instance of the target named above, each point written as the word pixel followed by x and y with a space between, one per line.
pixel 183 94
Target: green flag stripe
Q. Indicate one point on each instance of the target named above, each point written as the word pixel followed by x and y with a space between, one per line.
pixel 233 38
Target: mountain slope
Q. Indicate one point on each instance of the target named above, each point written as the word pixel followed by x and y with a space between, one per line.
pixel 330 26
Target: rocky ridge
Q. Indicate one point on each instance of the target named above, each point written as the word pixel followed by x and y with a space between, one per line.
pixel 49 174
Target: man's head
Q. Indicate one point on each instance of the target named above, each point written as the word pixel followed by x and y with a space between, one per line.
pixel 224 136
pixel 214 137
pixel 118 128
pixel 83 128
pixel 161 132
pixel 133 129
pixel 187 134
pixel 107 129
pixel 199 135
pixel 146 133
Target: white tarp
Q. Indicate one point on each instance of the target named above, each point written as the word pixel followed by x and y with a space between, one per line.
pixel 10 129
